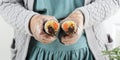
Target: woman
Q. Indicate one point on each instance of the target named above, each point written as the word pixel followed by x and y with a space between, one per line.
pixel 32 43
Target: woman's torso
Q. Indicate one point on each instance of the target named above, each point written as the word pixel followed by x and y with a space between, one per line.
pixel 56 50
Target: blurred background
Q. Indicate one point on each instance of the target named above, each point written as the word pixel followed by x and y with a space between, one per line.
pixel 112 25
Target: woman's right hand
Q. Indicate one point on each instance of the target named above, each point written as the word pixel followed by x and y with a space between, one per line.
pixel 37 28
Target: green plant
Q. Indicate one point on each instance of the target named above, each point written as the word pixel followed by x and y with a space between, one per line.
pixel 113 54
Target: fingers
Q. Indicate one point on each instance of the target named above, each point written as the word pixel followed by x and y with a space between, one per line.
pixel 71 38
pixel 44 38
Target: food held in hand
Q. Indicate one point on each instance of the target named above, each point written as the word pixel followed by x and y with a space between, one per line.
pixel 51 27
pixel 69 27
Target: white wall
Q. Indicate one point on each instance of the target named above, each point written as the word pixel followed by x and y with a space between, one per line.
pixel 112 25
pixel 6 34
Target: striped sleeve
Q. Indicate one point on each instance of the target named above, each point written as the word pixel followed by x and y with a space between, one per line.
pixel 16 15
pixel 98 11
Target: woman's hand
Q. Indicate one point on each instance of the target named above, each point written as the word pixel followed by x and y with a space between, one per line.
pixel 73 28
pixel 37 28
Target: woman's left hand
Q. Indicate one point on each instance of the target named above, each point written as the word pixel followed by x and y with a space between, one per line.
pixel 77 18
